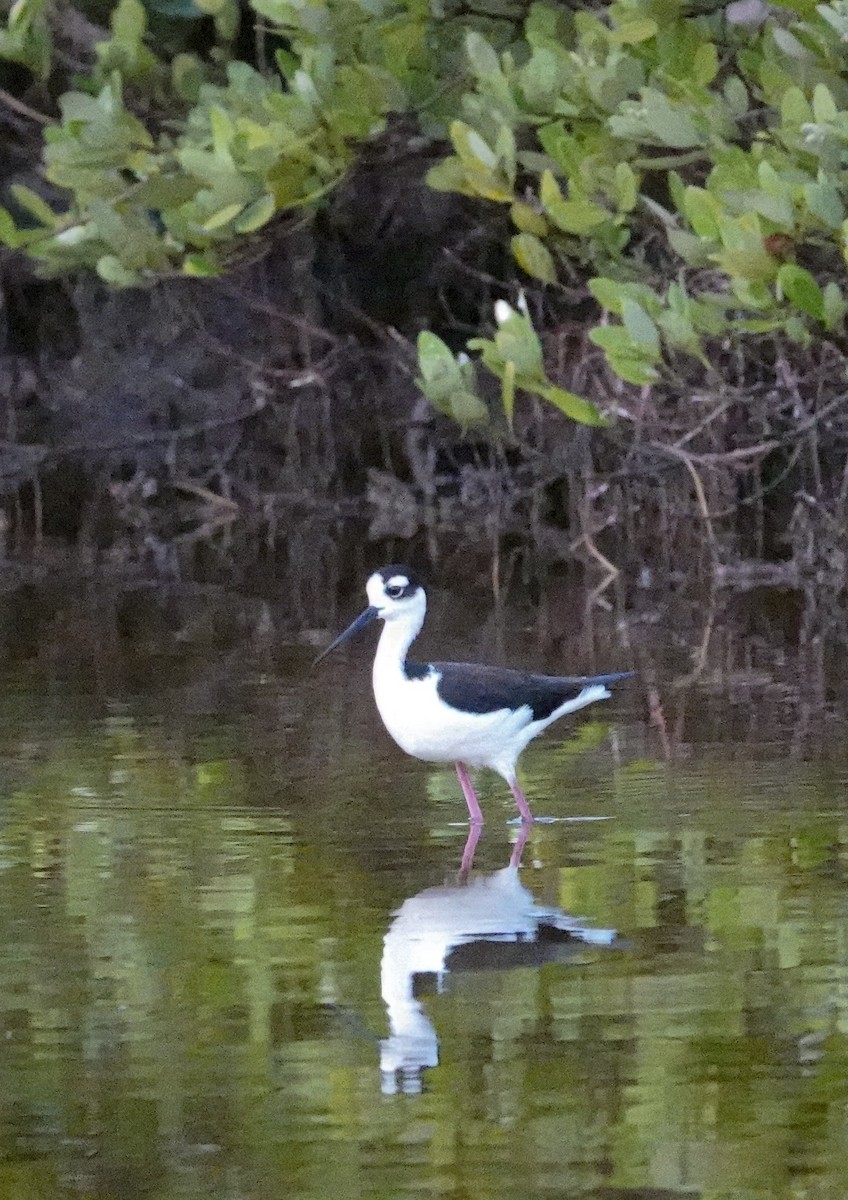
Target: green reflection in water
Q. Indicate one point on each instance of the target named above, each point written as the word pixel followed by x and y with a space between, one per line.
pixel 191 934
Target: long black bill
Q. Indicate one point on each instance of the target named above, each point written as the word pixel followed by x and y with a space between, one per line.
pixel 364 618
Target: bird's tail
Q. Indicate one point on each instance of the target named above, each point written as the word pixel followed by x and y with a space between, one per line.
pixel 606 680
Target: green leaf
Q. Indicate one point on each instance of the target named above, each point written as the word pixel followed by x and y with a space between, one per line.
pixel 824 201
pixel 517 341
pixel 640 326
pixel 677 189
pixel 223 130
pixel 542 79
pixel 655 118
pixel 633 369
pixel 9 232
pixel 613 339
pixel 754 294
pixel 126 51
pixel 736 95
pixel 610 86
pixel 468 409
pixel 446 176
pixel 78 106
pixel 454 175
pixel 798 286
pixel 441 373
pixel 626 187
pixel 187 75
pixel 222 217
pixel 533 256
pixel 678 330
pixel 748 264
pixel 701 211
pixel 434 355
pixel 824 106
pixel 507 152
pixel 794 109
pixel 629 360
pixel 545 23
pixel 671 126
pixel 635 30
pixel 202 266
pixel 559 145
pixel 576 216
pixel 33 203
pixel 694 251
pixel 482 57
pixel 760 324
pixel 773 182
pixel 797 331
pixel 835 306
pixel 705 64
pixel 473 150
pixel 789 44
pixel 256 215
pixel 165 191
pixel 227 21
pixel 608 293
pixel 549 191
pixel 112 270
pixel 488 185
pixel 524 351
pixel 574 406
pixel 777 209
pixel 508 392
pixel 129 22
pixel 527 219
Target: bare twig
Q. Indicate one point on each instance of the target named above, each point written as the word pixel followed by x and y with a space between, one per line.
pixel 213 498
pixel 24 110
pixel 689 462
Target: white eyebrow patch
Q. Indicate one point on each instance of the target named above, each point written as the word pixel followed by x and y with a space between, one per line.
pixel 397 581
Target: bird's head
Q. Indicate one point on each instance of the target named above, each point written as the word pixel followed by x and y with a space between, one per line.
pixel 395 594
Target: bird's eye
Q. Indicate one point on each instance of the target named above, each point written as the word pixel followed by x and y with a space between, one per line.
pixel 394 591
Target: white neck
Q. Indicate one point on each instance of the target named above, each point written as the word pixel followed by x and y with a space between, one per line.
pixel 398 635
pixel 412 1044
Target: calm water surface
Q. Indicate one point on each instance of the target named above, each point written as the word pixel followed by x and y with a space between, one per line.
pixel 241 957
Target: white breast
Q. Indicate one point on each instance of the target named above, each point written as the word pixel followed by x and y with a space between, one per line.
pixel 425 727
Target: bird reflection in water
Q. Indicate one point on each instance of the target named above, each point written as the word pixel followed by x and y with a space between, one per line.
pixel 480 923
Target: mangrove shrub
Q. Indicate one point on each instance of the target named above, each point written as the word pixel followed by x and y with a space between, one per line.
pixel 682 173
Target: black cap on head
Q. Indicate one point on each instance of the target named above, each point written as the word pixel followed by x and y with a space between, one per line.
pixel 397 572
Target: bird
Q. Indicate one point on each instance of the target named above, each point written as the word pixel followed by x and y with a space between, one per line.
pixel 487 923
pixel 466 713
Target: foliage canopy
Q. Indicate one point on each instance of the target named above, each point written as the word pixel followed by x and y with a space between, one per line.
pixel 685 173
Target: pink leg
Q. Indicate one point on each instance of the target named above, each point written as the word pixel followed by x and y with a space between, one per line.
pixel 470 795
pixel 474 831
pixel 518 848
pixel 521 801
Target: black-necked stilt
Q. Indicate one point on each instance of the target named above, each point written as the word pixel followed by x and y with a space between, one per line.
pixel 470 715
pixel 488 922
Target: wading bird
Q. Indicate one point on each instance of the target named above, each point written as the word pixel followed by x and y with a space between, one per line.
pixel 470 715
pixel 491 922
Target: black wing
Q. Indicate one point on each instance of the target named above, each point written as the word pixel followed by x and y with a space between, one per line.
pixel 479 689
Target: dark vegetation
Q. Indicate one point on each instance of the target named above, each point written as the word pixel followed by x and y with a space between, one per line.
pixel 227 226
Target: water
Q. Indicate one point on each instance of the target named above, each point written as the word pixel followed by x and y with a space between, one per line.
pixel 239 959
